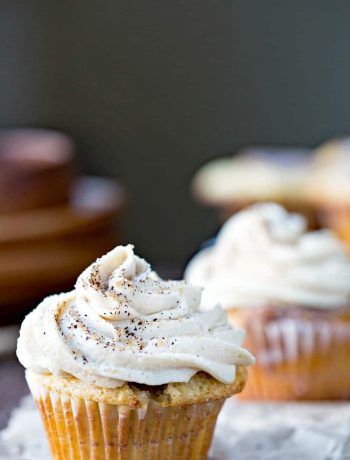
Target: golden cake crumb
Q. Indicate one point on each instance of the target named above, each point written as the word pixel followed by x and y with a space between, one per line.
pixel 201 388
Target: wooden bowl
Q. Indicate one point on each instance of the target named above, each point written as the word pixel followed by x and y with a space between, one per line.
pixel 36 168
pixel 29 274
pixel 42 251
pixel 94 203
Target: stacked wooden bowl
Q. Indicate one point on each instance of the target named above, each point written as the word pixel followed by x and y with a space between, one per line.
pixel 52 223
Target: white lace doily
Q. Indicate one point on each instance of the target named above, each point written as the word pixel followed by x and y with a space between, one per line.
pixel 245 431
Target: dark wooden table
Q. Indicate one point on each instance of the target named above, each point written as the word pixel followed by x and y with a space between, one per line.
pixel 12 387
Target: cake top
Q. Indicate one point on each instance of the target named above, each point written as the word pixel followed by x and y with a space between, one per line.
pixel 123 323
pixel 265 256
pixel 254 174
pixel 329 184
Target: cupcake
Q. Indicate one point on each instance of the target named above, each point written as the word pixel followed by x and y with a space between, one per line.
pixel 290 290
pixel 329 186
pixel 256 174
pixel 126 366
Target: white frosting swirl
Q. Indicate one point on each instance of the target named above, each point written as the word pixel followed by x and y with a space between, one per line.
pixel 123 323
pixel 264 255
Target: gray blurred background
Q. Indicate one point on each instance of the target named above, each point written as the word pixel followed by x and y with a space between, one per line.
pixel 152 89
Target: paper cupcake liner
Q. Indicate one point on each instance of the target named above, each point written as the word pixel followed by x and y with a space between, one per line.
pixel 82 429
pixel 301 356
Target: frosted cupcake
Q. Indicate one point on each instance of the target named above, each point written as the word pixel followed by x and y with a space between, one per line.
pixel 290 289
pixel 253 175
pixel 329 185
pixel 126 366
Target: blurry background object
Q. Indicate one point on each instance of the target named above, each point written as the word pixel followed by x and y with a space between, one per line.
pixel 289 289
pixel 33 161
pixel 52 222
pixel 329 185
pixel 152 90
pixel 256 174
pixel 8 339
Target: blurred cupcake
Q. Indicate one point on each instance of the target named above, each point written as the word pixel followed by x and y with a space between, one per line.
pixel 256 174
pixel 290 290
pixel 125 366
pixel 329 185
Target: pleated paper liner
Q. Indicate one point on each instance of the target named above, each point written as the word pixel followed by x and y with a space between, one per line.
pixel 84 429
pixel 301 354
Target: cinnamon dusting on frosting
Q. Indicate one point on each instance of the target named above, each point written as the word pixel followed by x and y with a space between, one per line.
pixel 123 323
